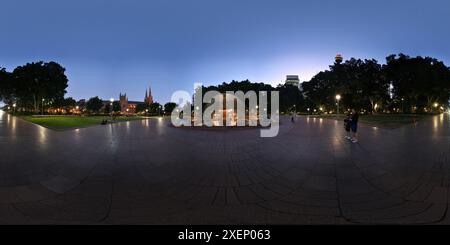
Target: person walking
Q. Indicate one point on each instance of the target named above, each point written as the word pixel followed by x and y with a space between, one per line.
pixel 354 125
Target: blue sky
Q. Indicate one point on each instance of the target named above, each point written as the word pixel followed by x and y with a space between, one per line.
pixel 117 46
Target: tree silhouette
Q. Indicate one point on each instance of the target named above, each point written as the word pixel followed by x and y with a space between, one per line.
pixel 94 104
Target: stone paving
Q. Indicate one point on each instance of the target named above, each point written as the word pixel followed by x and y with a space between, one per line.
pixel 148 172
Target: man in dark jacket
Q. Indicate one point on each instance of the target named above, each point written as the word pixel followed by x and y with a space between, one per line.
pixel 347 126
pixel 354 125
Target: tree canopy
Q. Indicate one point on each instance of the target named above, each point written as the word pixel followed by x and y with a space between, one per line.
pixel 169 107
pixel 32 85
pixel 419 81
pixel 94 104
pixel 365 84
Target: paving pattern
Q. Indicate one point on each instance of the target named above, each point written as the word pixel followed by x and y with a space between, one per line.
pixel 148 172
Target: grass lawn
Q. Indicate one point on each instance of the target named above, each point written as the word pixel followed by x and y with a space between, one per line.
pixel 70 122
pixel 382 120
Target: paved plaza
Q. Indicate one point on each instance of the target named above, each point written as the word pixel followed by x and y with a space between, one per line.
pixel 148 172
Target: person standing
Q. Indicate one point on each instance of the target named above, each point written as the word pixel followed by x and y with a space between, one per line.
pixel 354 125
pixel 347 123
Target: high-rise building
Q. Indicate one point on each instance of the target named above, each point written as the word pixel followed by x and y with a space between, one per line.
pixel 292 80
pixel 338 59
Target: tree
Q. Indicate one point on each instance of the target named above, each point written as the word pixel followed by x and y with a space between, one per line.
pixel 70 103
pixel 81 104
pixel 291 98
pixel 107 108
pixel 6 86
pixel 155 109
pixel 37 82
pixel 419 81
pixel 141 107
pixel 94 104
pixel 169 107
pixel 243 86
pixel 116 106
pixel 66 103
pixel 321 89
pixel 360 83
pixel 364 86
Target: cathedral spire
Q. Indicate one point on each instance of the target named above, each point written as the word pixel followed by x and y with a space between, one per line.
pixel 148 96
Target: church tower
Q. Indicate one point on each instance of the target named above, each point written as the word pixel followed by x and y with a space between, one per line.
pixel 123 100
pixel 148 96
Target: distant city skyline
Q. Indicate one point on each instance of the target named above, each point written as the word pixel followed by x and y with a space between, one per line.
pixel 123 46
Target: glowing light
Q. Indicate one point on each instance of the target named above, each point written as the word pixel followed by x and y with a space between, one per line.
pixel 338 97
pixel 435 105
pixel 111 100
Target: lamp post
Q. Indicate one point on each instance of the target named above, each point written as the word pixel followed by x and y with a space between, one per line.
pixel 338 98
pixel 43 106
pixel 111 106
pixel 14 108
pixel 435 105
pixel 403 99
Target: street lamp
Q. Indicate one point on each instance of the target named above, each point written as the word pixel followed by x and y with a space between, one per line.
pixel 14 107
pixel 435 105
pixel 403 99
pixel 111 100
pixel 338 98
pixel 43 106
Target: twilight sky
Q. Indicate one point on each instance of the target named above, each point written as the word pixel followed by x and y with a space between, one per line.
pixel 117 46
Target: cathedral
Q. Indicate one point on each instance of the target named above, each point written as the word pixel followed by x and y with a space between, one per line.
pixel 129 107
